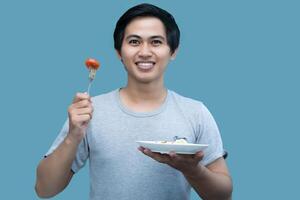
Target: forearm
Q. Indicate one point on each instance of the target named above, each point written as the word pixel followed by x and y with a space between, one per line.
pixel 54 172
pixel 210 185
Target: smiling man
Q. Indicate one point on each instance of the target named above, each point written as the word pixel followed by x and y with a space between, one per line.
pixel 103 129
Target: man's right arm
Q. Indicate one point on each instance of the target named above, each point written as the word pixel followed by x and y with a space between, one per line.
pixel 54 172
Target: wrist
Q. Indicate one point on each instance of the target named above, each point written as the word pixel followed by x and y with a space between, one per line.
pixel 73 139
pixel 195 173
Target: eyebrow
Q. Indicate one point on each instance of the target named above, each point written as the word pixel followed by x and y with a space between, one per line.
pixel 139 37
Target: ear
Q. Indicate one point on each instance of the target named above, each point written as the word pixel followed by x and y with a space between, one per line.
pixel 119 54
pixel 173 56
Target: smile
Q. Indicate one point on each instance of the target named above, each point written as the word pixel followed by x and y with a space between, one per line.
pixel 145 65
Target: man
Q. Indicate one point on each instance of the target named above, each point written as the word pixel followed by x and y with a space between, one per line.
pixel 104 129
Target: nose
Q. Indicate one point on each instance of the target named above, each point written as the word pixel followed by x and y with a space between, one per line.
pixel 145 51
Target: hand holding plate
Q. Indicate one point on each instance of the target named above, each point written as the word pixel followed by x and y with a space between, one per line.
pixel 186 163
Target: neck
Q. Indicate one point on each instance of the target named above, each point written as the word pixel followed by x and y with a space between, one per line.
pixel 143 97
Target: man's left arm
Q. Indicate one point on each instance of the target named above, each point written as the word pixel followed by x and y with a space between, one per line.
pixel 211 182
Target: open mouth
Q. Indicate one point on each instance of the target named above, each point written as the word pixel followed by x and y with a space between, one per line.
pixel 145 65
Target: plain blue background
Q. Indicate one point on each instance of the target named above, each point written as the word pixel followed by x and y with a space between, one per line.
pixel 241 58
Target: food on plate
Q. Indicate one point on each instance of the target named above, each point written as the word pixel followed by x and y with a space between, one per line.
pixel 176 141
pixel 180 141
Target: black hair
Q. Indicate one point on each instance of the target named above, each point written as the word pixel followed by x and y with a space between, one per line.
pixel 148 10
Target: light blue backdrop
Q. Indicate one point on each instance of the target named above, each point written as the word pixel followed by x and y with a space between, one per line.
pixel 241 58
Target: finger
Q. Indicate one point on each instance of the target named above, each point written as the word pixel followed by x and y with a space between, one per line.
pixel 81 118
pixel 186 158
pixel 172 154
pixel 82 103
pixel 80 108
pixel 83 111
pixel 162 158
pixel 140 148
pixel 199 155
pixel 176 158
pixel 81 96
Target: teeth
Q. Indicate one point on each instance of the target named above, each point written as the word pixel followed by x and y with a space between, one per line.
pixel 145 65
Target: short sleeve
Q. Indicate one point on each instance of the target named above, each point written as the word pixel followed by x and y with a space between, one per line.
pixel 209 134
pixel 82 153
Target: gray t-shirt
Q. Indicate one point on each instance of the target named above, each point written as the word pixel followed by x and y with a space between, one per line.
pixel 118 170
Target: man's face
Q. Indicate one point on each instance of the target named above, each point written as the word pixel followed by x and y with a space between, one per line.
pixel 145 52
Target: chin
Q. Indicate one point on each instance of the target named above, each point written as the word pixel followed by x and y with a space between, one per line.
pixel 145 80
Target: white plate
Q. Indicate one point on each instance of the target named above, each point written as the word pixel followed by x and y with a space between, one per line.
pixel 188 148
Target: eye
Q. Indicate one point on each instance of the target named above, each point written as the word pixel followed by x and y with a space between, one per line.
pixel 134 42
pixel 156 42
